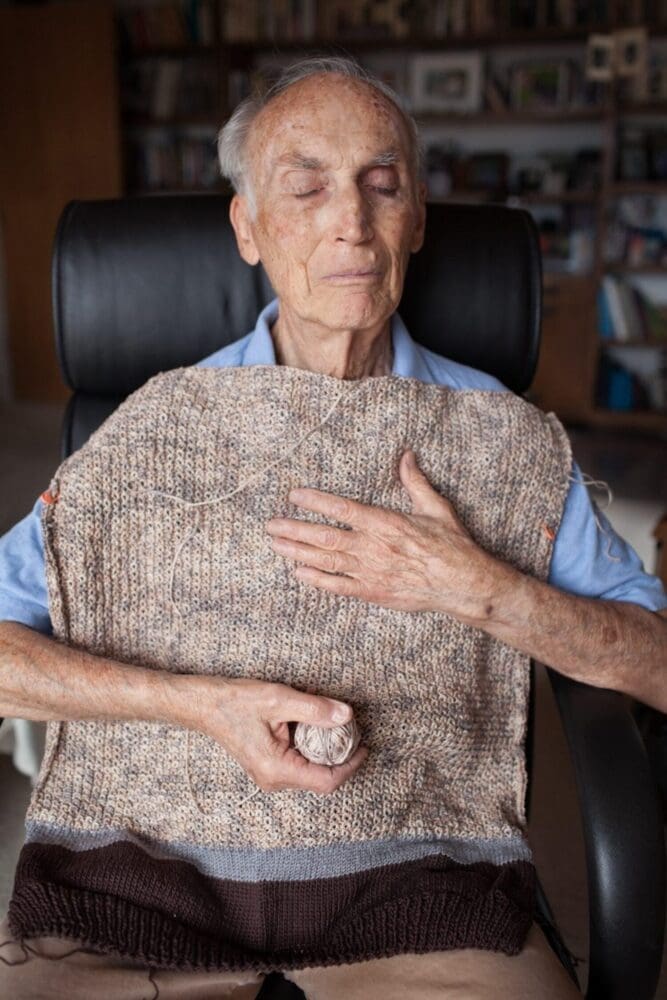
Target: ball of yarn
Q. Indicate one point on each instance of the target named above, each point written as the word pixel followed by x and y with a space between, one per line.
pixel 324 745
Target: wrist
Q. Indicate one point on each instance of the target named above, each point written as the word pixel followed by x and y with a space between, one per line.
pixel 177 699
pixel 485 594
pixel 193 700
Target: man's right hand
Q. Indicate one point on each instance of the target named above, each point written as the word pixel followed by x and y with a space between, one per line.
pixel 249 718
pixel 43 679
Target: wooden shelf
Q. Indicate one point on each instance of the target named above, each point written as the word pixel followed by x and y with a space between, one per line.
pixel 566 197
pixel 518 37
pixel 217 188
pixel 618 188
pixel 179 52
pixel 645 108
pixel 652 344
pixel 641 420
pixel 660 269
pixel 131 122
pixel 557 117
pixel 500 198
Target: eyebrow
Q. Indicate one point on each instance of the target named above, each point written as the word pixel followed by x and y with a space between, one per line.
pixel 386 158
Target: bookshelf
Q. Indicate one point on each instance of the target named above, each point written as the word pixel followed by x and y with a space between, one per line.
pixel 182 72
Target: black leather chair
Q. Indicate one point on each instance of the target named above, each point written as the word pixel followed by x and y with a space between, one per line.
pixel 147 284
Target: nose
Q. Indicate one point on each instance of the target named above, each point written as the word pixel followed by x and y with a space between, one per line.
pixel 352 216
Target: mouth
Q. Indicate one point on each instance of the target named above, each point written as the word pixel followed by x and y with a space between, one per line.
pixel 353 276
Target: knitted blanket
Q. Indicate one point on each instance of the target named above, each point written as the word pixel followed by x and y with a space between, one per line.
pixel 139 839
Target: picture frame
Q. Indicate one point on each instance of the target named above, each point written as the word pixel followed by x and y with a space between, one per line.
pixel 540 86
pixel 657 84
pixel 447 82
pixel 600 57
pixel 630 52
pixel 631 63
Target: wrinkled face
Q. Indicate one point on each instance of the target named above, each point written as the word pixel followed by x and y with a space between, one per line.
pixel 338 209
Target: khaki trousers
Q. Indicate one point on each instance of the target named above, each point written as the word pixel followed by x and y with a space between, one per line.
pixel 52 967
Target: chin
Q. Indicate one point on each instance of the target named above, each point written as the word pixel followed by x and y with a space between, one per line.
pixel 358 311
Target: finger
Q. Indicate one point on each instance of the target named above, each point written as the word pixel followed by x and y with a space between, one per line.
pixel 299 772
pixel 329 562
pixel 286 704
pixel 321 535
pixel 339 508
pixel 425 500
pixel 346 586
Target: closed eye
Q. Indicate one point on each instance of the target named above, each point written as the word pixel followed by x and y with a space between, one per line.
pixel 382 181
pixel 307 194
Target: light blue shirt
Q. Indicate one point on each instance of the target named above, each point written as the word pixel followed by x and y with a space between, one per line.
pixel 588 557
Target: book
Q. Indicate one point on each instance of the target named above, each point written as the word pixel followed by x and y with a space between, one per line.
pixel 165 90
pixel 633 324
pixel 618 321
pixel 605 323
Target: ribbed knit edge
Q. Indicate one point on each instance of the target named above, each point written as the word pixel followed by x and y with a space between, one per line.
pixel 417 925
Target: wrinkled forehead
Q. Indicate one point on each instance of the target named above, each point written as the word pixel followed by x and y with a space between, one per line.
pixel 324 116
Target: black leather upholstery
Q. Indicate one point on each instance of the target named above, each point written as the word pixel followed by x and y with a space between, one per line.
pixel 474 293
pixel 146 284
pixel 624 838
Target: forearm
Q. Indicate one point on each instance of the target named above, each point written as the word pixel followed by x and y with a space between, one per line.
pixel 609 644
pixel 43 679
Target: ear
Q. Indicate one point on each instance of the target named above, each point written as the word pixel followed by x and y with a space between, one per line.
pixel 418 235
pixel 239 214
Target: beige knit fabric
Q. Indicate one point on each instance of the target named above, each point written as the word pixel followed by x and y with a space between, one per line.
pixel 442 707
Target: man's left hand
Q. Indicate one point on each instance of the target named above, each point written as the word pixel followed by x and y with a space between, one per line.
pixel 423 561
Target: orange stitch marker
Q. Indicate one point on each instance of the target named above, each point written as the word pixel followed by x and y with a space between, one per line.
pixel 549 532
pixel 48 497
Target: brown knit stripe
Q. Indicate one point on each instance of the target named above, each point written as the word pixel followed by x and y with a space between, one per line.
pixel 168 914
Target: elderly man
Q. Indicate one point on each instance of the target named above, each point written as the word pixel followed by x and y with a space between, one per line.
pixel 210 585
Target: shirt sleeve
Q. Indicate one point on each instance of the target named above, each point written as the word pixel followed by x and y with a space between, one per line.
pixel 23 593
pixel 591 560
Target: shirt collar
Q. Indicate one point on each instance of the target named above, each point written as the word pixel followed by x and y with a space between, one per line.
pixel 409 361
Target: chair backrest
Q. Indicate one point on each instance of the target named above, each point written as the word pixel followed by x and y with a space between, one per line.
pixel 141 285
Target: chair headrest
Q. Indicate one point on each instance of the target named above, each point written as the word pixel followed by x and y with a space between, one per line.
pixel 141 285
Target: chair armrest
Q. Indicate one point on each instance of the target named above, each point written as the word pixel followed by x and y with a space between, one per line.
pixel 623 835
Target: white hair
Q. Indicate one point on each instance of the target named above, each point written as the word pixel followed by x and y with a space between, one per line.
pixel 233 136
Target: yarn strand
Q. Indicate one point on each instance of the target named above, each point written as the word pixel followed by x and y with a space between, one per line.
pixel 260 472
pixel 195 797
pixel 197 504
pixel 599 484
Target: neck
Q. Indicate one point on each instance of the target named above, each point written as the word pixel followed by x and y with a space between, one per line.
pixel 344 354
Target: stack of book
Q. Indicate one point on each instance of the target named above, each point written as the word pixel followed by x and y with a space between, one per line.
pixel 626 315
pixel 168 160
pixel 165 88
pixel 284 20
pixel 168 26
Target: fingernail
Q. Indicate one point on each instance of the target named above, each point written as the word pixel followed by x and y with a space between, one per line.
pixel 341 713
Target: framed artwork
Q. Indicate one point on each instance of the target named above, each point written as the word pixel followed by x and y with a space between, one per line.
pixel 600 57
pixel 447 82
pixel 540 86
pixel 657 84
pixel 630 52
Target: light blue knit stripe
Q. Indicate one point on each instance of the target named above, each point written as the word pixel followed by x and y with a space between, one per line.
pixel 288 864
